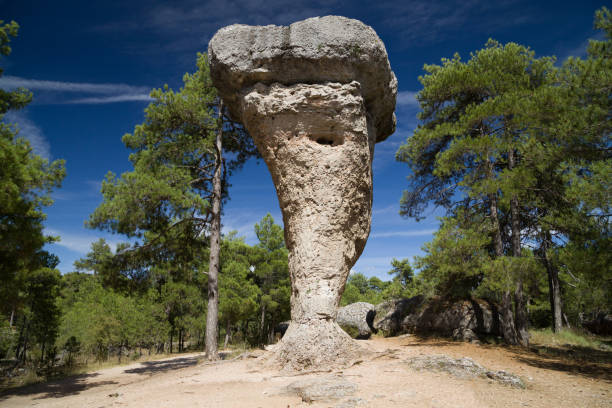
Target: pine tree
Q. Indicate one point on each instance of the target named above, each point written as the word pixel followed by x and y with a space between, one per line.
pixel 173 196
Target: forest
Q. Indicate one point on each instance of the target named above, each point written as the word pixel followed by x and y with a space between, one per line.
pixel 513 147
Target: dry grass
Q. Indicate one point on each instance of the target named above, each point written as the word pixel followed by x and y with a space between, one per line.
pixel 568 337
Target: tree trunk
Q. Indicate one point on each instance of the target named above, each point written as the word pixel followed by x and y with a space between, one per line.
pixel 227 334
pixel 12 317
pixel 262 321
pixel 21 338
pixel 554 286
pixel 521 319
pixel 171 333
pixel 507 324
pixel 212 315
pixel 508 327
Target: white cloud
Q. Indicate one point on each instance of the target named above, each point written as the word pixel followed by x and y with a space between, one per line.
pixel 12 82
pixel 243 221
pixel 113 93
pixel 79 242
pixel 390 209
pixel 407 98
pixel 110 99
pixel 413 233
pixel 28 130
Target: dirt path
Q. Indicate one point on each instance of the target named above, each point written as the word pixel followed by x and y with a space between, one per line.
pixel 385 381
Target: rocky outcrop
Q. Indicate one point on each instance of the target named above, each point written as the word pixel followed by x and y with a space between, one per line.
pixel 315 97
pixel 281 328
pixel 357 319
pixel 460 319
pixel 464 368
pixel 601 324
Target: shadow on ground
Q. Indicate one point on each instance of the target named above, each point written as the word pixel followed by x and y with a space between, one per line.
pixel 583 361
pixel 153 367
pixel 433 340
pixel 57 389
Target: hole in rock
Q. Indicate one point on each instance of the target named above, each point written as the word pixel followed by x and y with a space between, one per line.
pixel 325 141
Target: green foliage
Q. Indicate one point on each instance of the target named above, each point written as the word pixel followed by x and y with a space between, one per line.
pixel 8 337
pixel 402 271
pixel 238 294
pixel 271 273
pixel 165 200
pixel 26 181
pixel 99 320
pixel 361 289
pixel 517 152
pixel 42 290
pixel 28 280
pixel 455 259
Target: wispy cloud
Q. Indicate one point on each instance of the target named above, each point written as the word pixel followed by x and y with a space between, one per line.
pixel 30 131
pixel 110 99
pixel 578 49
pixel 389 209
pixel 412 233
pixel 407 99
pixel 422 22
pixel 113 93
pixel 12 82
pixel 181 28
pixel 79 242
pixel 243 222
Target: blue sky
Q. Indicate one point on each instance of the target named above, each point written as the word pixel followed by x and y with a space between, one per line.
pixel 91 64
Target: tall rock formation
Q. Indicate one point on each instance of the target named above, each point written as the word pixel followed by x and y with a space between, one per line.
pixel 315 97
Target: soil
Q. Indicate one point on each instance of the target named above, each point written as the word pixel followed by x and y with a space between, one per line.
pixel 560 379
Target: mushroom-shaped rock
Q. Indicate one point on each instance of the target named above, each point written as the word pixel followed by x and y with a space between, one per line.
pixel 315 97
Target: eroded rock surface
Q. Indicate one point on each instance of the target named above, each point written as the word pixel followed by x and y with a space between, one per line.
pixel 323 389
pixel 466 320
pixel 464 368
pixel 357 318
pixel 315 97
pixel 316 50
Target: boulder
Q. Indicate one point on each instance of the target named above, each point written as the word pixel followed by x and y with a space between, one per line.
pixel 460 319
pixel 357 319
pixel 281 328
pixel 601 324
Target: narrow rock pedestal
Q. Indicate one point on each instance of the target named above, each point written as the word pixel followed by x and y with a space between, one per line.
pixel 315 140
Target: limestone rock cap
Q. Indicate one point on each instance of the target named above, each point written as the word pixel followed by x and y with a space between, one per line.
pixel 316 50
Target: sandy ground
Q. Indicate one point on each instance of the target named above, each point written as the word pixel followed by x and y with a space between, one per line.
pixel 383 381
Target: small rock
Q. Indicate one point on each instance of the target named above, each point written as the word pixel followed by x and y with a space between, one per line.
pixel 352 403
pixel 321 389
pixel 506 378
